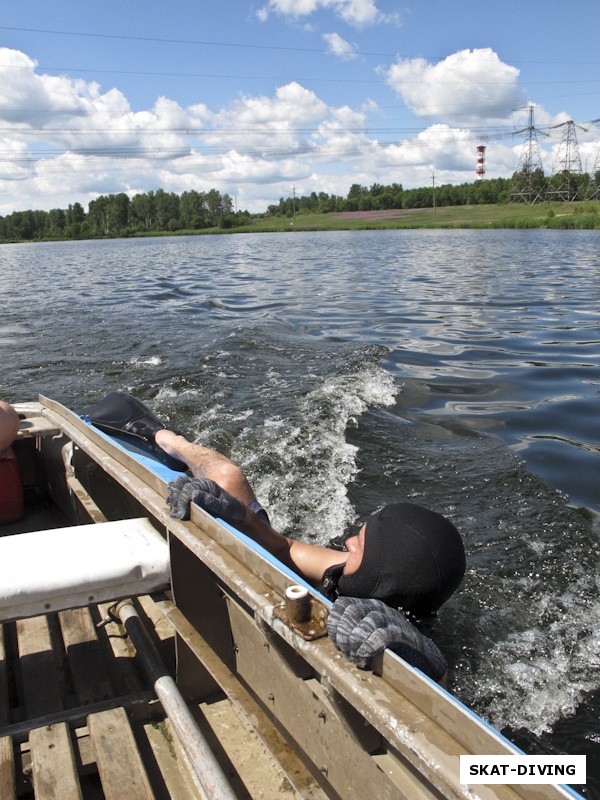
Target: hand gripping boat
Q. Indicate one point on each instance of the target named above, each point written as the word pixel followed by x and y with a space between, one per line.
pixel 161 658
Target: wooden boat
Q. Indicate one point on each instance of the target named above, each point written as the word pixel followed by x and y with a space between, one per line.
pixel 263 705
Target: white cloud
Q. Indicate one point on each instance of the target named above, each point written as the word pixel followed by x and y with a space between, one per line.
pixel 341 135
pixel 469 84
pixel 66 141
pixel 14 160
pixel 268 126
pixel 241 169
pixel 339 47
pixel 292 104
pixel 31 100
pixel 358 13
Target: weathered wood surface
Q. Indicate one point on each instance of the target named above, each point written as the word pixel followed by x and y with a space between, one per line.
pixel 7 769
pixel 38 667
pixel 54 768
pixel 119 764
pixel 52 669
pixel 99 724
pixel 33 422
pixel 91 682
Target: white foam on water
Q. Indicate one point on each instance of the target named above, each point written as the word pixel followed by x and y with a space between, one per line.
pixel 547 670
pixel 151 361
pixel 304 465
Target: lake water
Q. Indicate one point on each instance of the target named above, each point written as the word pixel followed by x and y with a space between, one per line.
pixel 458 369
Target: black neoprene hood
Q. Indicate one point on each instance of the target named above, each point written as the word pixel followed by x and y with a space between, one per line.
pixel 413 559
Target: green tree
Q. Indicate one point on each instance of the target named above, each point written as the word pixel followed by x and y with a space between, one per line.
pixel 24 225
pixel 120 211
pixel 192 210
pixel 56 221
pixel 74 222
pixel 357 191
pixel 75 214
pixel 98 217
pixel 167 209
pixel 142 211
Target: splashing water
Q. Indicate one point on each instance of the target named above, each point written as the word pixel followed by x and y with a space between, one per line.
pixel 304 466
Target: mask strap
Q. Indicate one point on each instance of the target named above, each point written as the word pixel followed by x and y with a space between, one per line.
pixel 330 580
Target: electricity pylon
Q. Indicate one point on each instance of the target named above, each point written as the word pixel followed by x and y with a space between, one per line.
pixel 567 164
pixel 593 189
pixel 528 184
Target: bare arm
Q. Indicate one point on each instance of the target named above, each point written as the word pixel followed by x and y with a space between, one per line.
pixel 308 560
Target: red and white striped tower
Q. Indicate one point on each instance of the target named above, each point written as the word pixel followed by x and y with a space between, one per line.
pixel 481 161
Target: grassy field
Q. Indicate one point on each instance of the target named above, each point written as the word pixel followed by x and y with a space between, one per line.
pixel 584 215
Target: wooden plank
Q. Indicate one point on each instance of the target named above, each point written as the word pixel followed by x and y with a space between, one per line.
pixel 54 768
pixel 109 456
pixel 84 652
pixel 141 706
pixel 87 506
pixel 321 730
pixel 7 769
pixel 38 667
pixel 155 622
pixel 172 762
pixel 4 699
pixel 120 656
pixel 36 426
pixel 121 770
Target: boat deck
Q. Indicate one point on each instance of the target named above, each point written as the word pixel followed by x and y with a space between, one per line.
pixel 77 718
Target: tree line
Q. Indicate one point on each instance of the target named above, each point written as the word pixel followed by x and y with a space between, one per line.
pixel 159 211
pixel 119 215
pixel 379 197
pixel 566 186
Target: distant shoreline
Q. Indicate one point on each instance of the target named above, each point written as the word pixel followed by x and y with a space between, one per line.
pixel 583 215
pixel 541 215
pixel 580 215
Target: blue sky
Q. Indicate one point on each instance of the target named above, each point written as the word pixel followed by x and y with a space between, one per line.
pixel 263 99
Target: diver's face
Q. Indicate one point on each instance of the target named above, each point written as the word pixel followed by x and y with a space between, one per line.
pixel 356 547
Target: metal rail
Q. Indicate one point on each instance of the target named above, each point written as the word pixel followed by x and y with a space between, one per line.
pixel 205 767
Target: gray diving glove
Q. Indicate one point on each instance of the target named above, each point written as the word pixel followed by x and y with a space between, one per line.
pixel 363 628
pixel 208 495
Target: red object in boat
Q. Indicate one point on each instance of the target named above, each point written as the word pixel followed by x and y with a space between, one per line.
pixel 11 488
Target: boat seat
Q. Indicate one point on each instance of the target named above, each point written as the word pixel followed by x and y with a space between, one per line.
pixel 33 423
pixel 59 568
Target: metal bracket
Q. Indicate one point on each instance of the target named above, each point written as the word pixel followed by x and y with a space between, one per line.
pixel 302 613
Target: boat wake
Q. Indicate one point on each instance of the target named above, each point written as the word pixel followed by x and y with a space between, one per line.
pixel 547 670
pixel 305 464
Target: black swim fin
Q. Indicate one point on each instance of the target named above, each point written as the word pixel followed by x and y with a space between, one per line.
pixel 122 414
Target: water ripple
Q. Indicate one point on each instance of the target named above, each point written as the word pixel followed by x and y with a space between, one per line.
pixel 457 368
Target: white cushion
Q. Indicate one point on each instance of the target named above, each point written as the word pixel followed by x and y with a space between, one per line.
pixel 60 568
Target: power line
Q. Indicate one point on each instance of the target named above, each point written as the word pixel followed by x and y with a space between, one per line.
pixel 248 45
pixel 318 151
pixel 204 75
pixel 238 131
pixel 315 79
pixel 200 42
